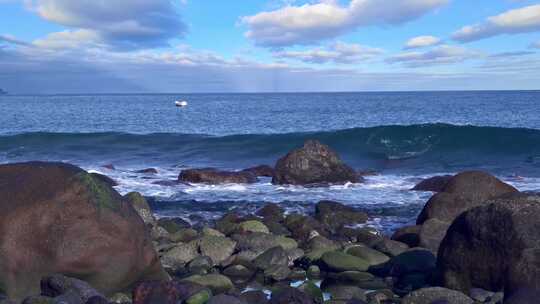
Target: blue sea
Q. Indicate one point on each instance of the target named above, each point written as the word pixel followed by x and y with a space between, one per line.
pixel 403 136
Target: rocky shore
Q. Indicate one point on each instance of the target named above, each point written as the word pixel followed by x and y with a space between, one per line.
pixel 67 236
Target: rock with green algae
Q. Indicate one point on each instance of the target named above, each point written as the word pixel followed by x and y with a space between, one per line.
pixel 313 291
pixel 216 282
pixel 252 226
pixel 200 297
pixel 339 261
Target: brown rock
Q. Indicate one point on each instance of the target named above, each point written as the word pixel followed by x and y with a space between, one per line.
pixel 214 176
pixel 57 218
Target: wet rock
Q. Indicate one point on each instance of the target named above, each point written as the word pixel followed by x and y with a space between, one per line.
pixel 314 272
pixel 216 282
pixel 344 292
pixel 164 292
pixel 119 298
pixel 173 224
pixel 271 211
pixel 494 247
pixel 463 192
pixel 262 170
pixel 147 171
pixel 202 297
pixel 33 300
pixel 432 294
pixel 314 163
pixel 408 235
pixel 105 179
pixel 339 261
pixel 365 235
pixel 76 212
pixel 214 177
pixel 302 227
pixel 433 184
pixel 335 215
pixel 290 295
pixel 200 265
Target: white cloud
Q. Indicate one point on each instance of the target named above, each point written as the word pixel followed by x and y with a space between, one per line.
pixel 310 23
pixel 422 41
pixel 522 20
pixel 535 45
pixel 120 23
pixel 339 52
pixel 444 54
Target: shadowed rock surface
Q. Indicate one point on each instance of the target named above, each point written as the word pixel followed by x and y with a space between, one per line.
pixel 214 177
pixel 494 247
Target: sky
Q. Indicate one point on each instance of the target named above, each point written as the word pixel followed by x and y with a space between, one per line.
pixel 182 46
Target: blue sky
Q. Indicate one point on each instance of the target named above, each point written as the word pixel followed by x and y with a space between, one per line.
pixel 158 46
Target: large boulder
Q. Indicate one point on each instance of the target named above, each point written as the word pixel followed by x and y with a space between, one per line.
pixel 214 177
pixel 463 192
pixel 314 163
pixel 494 247
pixel 57 218
pixel 433 184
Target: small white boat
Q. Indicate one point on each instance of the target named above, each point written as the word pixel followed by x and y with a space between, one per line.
pixel 181 103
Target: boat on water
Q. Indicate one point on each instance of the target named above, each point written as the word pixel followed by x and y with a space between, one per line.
pixel 181 103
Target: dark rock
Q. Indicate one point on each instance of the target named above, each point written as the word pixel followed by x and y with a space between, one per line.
pixel 391 247
pixel 218 248
pixel 290 295
pixel 335 215
pixel 302 227
pixel 271 211
pixel 82 221
pixel 56 285
pixel 371 256
pixel 238 271
pixel 33 300
pixel 277 272
pixel 109 166
pixel 432 294
pixel 147 171
pixel 97 300
pixel 173 224
pixel 494 247
pixel 164 292
pixel 262 170
pixel 69 297
pixel 433 184
pixel 104 178
pixel 344 292
pixel 314 163
pixel 523 296
pixel 409 235
pixel 254 297
pixel 313 291
pixel 365 235
pixel 416 260
pixel 272 256
pixel 166 183
pixel 225 299
pixel 463 192
pixel 432 233
pixel 214 177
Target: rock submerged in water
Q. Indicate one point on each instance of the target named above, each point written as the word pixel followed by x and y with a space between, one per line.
pixel 215 177
pixel 314 163
pixel 495 247
pixel 57 218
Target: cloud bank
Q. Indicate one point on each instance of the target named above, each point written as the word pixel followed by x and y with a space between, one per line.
pixel 421 41
pixel 444 54
pixel 341 53
pixel 516 21
pixel 122 24
pixel 311 23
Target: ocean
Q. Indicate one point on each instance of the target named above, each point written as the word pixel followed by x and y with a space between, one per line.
pixel 402 136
